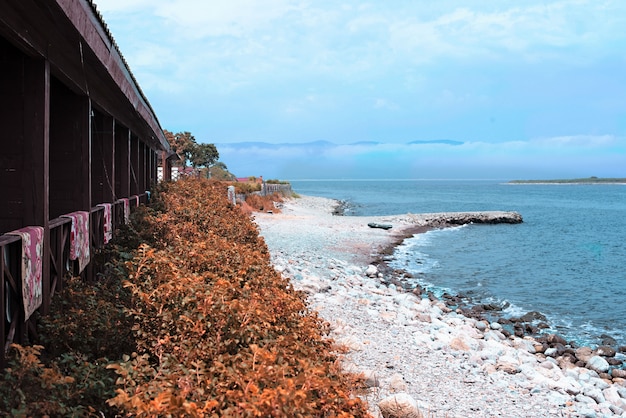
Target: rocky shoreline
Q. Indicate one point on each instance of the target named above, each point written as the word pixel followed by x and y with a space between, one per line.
pixel 431 356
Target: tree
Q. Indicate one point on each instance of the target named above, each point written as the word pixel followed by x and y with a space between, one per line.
pixel 219 171
pixel 203 155
pixel 182 143
pixel 221 165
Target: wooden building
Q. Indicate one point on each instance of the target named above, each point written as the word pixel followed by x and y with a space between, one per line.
pixel 79 147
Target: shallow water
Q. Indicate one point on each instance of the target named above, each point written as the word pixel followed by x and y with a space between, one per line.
pixel 566 260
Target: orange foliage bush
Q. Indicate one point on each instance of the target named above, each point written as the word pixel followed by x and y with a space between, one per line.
pixel 219 332
pixel 264 203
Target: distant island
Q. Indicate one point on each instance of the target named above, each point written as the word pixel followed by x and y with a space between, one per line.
pixel 588 180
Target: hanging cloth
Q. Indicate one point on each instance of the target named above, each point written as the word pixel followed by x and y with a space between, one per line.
pixel 79 238
pixel 32 255
pixel 107 222
pixel 126 210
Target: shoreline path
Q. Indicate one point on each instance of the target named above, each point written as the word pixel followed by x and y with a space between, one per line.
pixel 415 351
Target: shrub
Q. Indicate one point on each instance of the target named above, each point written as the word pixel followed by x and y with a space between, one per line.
pixel 264 203
pixel 187 318
pixel 247 188
pixel 218 330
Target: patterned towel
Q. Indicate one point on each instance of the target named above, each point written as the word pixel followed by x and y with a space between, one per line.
pixel 126 210
pixel 79 238
pixel 108 224
pixel 32 254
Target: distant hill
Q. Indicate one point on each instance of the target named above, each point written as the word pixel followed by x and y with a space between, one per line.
pixel 588 180
pixel 267 145
pixel 324 144
pixel 437 141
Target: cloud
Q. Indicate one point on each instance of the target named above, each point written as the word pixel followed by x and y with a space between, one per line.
pixel 604 156
pixel 580 141
pixel 296 70
pixel 534 31
pixel 238 18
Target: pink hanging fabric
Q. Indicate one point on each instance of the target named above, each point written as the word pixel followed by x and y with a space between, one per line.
pixel 107 222
pixel 32 254
pixel 79 238
pixel 136 200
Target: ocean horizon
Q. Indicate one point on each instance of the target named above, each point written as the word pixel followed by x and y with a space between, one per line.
pixel 566 260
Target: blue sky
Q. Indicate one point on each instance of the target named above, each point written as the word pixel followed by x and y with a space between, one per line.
pixel 529 89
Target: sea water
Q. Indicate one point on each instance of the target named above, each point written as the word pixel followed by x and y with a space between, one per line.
pixel 567 260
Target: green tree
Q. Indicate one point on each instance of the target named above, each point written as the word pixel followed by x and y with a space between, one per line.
pixel 219 171
pixel 203 155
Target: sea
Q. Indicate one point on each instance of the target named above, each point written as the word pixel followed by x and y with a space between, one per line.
pixel 567 260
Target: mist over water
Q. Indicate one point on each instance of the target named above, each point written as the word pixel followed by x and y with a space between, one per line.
pixel 567 260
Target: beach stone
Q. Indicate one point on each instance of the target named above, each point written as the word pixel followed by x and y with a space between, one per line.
pixel 566 361
pixel 612 396
pixel 595 394
pixel 397 383
pixel 586 412
pixel 583 353
pixel 607 340
pixel 370 379
pixel 619 373
pixel 551 352
pixel 555 339
pixel 481 325
pixel 614 361
pixel 494 336
pixel 371 271
pixel 598 364
pixel 508 365
pixel 496 326
pixel 533 316
pixel 525 345
pixel 585 399
pixel 605 351
pixel 400 405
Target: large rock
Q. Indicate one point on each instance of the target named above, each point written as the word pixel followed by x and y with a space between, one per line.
pixel 598 364
pixel 372 271
pixel 400 405
pixel 553 339
pixel 612 395
pixel 584 353
pixel 605 351
pixel 533 316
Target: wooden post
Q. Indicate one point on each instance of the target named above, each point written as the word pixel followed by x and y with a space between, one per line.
pixel 122 161
pixel 102 167
pixel 167 167
pixel 141 168
pixel 36 151
pixel 134 165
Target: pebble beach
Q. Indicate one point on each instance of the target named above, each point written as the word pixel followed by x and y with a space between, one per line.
pixel 419 357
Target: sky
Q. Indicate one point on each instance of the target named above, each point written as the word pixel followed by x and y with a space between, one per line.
pixel 395 89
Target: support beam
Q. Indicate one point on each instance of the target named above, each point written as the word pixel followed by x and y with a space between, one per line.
pixel 36 142
pixel 102 162
pixel 122 161
pixel 134 165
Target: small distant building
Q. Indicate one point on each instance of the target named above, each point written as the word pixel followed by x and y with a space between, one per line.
pixel 250 179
